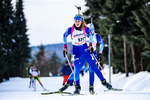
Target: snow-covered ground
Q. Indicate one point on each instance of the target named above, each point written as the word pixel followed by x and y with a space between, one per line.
pixel 136 87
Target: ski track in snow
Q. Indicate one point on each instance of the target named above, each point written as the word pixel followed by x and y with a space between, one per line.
pixel 135 87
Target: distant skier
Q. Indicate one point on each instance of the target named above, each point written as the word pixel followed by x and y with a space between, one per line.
pixel 35 76
pixel 81 52
pixel 30 73
pixel 65 71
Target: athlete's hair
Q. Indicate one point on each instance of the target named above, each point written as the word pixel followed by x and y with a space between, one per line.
pixel 83 22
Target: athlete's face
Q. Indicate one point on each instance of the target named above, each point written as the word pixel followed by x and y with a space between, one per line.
pixel 78 23
pixel 34 69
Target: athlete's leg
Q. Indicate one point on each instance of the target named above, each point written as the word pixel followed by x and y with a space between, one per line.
pixel 91 77
pixel 92 64
pixel 91 72
pixel 30 83
pixel 71 77
pixel 34 83
pixel 77 68
pixel 65 79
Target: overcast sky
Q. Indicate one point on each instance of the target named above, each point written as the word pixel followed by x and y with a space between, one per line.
pixel 47 20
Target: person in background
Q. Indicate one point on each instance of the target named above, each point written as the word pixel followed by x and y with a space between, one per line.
pixel 65 71
pixel 50 74
pixel 35 76
pixel 30 73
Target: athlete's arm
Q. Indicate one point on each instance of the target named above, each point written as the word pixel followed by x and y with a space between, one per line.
pixel 65 35
pixel 101 42
pixel 90 35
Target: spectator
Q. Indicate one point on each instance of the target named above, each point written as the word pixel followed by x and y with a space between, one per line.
pixel 50 74
pixel 65 71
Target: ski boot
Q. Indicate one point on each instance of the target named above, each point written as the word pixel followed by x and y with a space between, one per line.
pixel 77 89
pixel 64 87
pixel 91 89
pixel 107 85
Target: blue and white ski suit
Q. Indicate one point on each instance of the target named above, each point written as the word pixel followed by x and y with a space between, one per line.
pixel 80 53
pixel 96 39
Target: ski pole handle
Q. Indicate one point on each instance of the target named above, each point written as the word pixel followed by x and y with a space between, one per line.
pixel 99 64
pixel 68 62
pixel 79 9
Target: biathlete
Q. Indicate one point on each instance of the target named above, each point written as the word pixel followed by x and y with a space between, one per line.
pixel 80 51
pixel 30 73
pixel 96 39
pixel 35 76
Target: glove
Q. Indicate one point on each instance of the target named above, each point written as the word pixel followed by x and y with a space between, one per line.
pixel 65 50
pixel 99 58
pixel 91 49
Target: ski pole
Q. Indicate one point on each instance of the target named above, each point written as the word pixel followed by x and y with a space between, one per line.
pixel 99 64
pixel 79 8
pixel 91 16
pixel 68 62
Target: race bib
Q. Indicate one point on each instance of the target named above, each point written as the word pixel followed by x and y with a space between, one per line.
pixel 78 37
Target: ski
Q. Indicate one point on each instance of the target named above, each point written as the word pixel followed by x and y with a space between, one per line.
pixel 72 94
pixel 56 92
pixel 113 89
pixel 78 94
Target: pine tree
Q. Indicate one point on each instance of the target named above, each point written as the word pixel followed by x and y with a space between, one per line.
pixel 41 61
pixel 54 64
pixel 99 21
pixel 6 38
pixel 102 11
pixel 121 24
pixel 22 49
pixel 142 21
pixel 125 22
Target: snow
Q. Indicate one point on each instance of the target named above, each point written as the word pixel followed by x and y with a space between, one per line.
pixel 135 87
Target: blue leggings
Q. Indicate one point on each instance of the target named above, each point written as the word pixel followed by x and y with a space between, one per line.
pixel 91 72
pixel 82 55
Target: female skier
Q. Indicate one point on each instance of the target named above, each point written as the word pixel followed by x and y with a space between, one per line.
pixel 35 75
pixel 96 38
pixel 81 52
